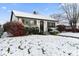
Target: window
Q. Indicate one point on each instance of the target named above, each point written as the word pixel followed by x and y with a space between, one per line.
pixel 35 22
pixel 23 20
pixel 27 21
pixel 51 24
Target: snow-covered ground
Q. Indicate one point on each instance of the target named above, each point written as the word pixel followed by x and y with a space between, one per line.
pixel 39 45
pixel 69 34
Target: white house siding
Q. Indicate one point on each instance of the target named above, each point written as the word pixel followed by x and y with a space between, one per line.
pixel 20 20
pixel 38 24
pixel 32 22
pixel 45 26
pixel 14 18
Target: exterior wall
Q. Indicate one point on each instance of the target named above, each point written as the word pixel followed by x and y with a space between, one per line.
pixel 45 26
pixel 31 22
pixel 26 21
pixel 14 18
pixel 38 24
pixel 20 20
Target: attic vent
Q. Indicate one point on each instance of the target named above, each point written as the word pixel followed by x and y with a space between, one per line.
pixel 34 12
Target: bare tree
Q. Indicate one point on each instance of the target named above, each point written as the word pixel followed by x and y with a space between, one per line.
pixel 72 13
pixel 56 16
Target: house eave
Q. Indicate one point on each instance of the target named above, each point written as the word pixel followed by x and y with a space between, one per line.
pixel 32 16
pixel 36 18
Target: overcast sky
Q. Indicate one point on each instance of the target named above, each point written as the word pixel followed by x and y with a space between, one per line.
pixel 41 8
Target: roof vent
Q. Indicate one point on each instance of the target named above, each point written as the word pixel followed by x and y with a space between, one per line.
pixel 34 12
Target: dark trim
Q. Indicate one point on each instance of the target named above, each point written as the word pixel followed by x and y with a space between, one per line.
pixel 11 15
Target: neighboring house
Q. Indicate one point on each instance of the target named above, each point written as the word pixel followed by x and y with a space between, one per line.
pixel 34 20
pixel 66 23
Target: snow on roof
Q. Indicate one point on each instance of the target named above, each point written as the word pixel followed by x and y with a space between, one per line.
pixel 24 14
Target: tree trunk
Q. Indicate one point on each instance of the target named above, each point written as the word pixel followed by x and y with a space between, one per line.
pixel 74 27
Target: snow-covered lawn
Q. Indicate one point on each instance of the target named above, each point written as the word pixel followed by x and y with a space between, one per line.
pixel 70 34
pixel 39 45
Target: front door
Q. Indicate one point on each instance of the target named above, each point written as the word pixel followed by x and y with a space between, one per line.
pixel 41 26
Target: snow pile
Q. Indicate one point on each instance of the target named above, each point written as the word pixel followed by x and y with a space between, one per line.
pixel 5 34
pixel 39 45
pixel 69 34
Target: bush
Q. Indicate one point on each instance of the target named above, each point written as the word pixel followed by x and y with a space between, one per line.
pixel 27 30
pixel 77 30
pixel 32 30
pixel 15 28
pixel 54 32
pixel 35 30
pixel 61 28
pixel 70 30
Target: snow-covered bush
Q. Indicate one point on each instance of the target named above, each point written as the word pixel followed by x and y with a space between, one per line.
pixel 6 34
pixel 54 32
pixel 15 28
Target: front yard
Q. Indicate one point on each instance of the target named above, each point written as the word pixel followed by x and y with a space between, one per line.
pixel 69 34
pixel 43 45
